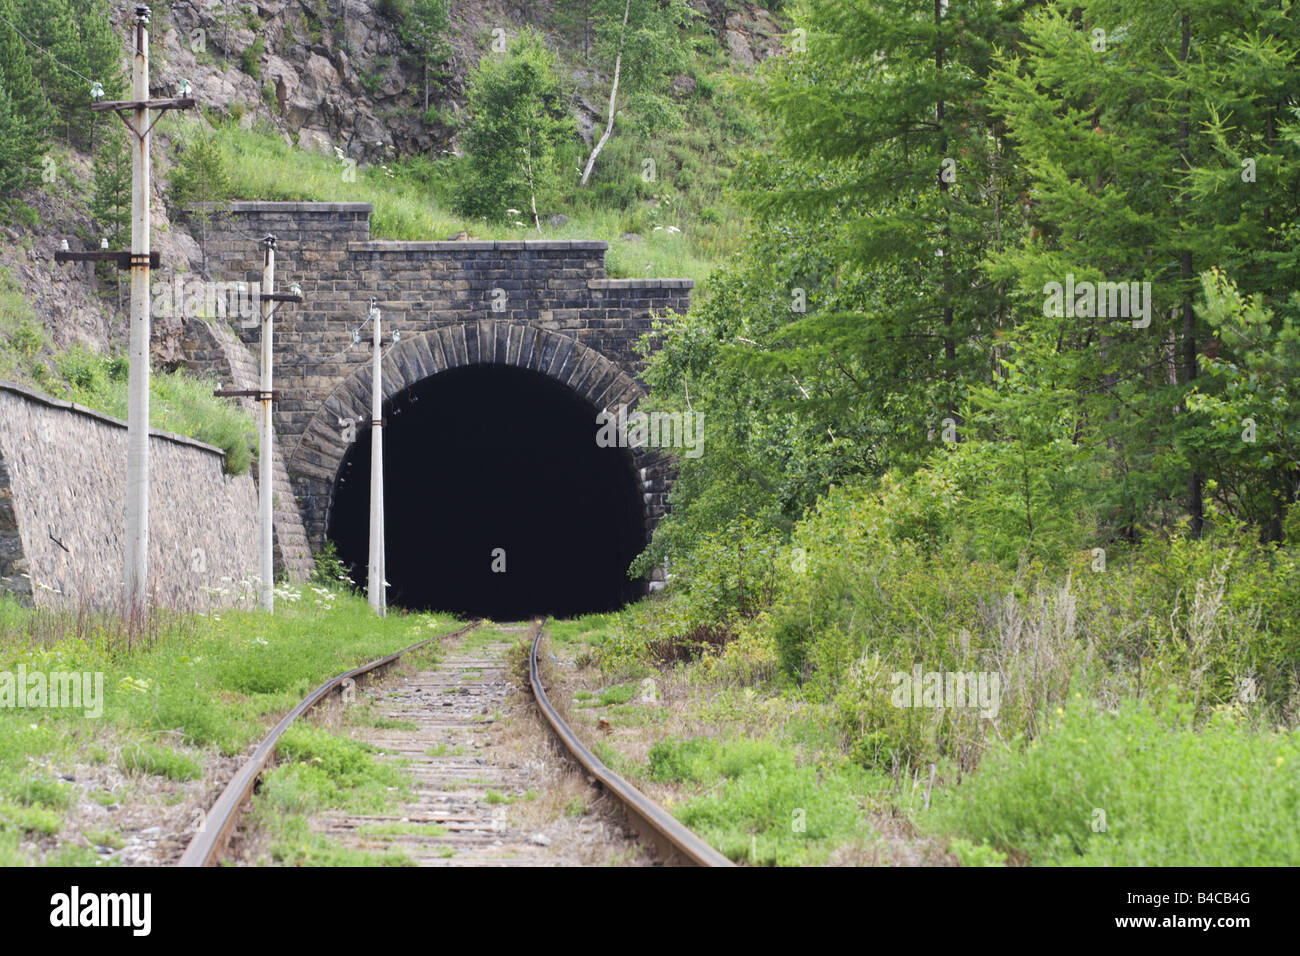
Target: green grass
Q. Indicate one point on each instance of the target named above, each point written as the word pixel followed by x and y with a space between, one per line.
pixel 180 402
pixel 388 723
pixel 759 803
pixel 443 750
pixel 580 631
pixel 1133 787
pixel 616 694
pixel 22 339
pixel 160 762
pixel 108 838
pixel 32 820
pixel 408 205
pixel 215 681
pixel 321 770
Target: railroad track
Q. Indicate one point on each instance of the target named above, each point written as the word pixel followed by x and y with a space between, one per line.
pixel 655 825
pixel 446 803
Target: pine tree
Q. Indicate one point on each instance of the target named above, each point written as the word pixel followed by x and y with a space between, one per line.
pixel 200 182
pixel 1112 108
pixel 424 24
pixel 15 162
pixel 888 157
pixel 110 203
pixel 25 133
pixel 80 49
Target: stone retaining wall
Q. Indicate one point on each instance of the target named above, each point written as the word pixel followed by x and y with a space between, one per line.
pixel 62 512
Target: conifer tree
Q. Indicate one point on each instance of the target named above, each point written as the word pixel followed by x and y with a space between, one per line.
pixel 1114 108
pixel 199 182
pixel 25 133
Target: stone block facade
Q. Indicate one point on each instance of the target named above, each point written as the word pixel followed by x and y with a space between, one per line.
pixel 542 304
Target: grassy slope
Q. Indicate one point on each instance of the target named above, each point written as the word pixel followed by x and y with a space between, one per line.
pixel 198 687
pixel 412 195
pixel 181 402
pixel 764 774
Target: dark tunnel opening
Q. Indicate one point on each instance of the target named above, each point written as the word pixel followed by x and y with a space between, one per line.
pixel 488 457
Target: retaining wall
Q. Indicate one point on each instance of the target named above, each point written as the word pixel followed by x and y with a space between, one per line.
pixel 63 516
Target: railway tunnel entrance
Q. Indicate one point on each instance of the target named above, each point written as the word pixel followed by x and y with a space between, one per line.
pixel 498 501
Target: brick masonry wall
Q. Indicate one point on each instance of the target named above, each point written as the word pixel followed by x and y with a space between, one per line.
pixel 62 512
pixel 468 294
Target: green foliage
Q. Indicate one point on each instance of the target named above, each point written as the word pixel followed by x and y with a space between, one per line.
pixel 329 570
pixel 422 25
pixel 200 182
pixel 24 111
pixel 519 121
pixel 250 58
pixel 642 42
pixel 763 806
pixel 201 174
pixel 329 765
pixel 159 762
pixel 22 337
pixel 1250 400
pixel 1135 787
pixel 42 792
pixel 179 684
pixel 77 35
pixel 179 402
pixel 110 202
pixel 320 769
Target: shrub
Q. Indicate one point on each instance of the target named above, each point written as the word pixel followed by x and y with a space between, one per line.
pixel 250 59
pixel 1135 786
pixel 762 805
pixel 519 116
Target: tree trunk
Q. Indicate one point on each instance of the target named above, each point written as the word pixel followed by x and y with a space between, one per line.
pixel 613 95
pixel 1195 499
pixel 949 342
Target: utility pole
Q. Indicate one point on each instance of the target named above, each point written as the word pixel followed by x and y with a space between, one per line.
pixel 137 416
pixel 266 396
pixel 266 447
pixel 139 261
pixel 376 588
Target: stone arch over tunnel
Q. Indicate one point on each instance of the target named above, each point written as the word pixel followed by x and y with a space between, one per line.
pixel 490 444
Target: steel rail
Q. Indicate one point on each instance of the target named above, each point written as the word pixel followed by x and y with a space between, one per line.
pixel 654 823
pixel 220 820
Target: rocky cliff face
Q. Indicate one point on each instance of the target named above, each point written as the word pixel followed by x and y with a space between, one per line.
pixel 331 74
pixel 335 74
